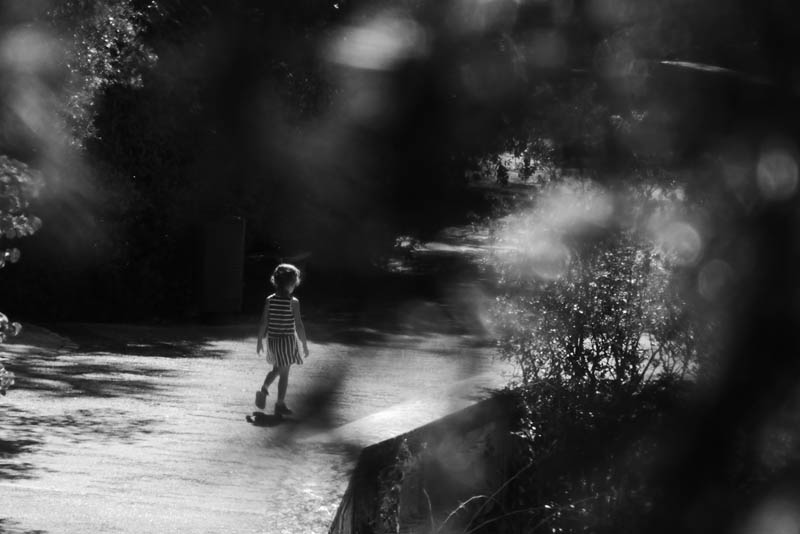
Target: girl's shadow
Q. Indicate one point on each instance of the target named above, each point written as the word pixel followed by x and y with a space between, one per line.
pixel 267 419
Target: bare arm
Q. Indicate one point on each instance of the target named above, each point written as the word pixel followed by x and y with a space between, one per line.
pixel 262 328
pixel 299 326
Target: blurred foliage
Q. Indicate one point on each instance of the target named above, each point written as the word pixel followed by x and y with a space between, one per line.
pixel 103 47
pixel 7 329
pixel 595 307
pixel 18 185
pixel 6 380
pixel 596 312
pixel 335 127
pixel 586 461
pixel 56 60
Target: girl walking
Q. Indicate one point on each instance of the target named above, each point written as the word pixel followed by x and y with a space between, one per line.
pixel 282 325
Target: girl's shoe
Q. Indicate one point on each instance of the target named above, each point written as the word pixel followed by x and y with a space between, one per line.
pixel 282 409
pixel 261 399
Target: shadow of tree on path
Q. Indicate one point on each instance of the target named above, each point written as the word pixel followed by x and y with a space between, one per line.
pixel 24 432
pixel 107 361
pixel 8 527
pixel 139 340
pixel 96 425
pixel 9 449
pixel 72 374
pixel 86 379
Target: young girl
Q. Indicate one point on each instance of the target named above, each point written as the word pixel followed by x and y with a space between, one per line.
pixel 282 325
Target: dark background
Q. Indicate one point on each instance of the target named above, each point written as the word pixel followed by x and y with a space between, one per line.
pixel 245 114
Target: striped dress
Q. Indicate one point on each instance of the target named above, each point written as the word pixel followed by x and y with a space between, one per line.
pixel 281 334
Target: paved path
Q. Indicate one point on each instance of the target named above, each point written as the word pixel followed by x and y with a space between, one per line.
pixel 142 429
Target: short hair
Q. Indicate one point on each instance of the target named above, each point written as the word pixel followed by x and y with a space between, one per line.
pixel 284 274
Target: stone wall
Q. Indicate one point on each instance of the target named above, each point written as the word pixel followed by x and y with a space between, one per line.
pixel 415 482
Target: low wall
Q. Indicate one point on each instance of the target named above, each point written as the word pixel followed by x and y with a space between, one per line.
pixel 413 482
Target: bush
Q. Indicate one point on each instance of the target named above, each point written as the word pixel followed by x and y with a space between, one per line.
pixel 18 185
pixel 594 314
pixel 586 462
pixel 592 299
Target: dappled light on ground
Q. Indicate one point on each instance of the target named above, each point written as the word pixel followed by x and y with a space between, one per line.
pixel 119 430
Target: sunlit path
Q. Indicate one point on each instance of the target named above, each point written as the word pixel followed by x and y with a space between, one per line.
pixel 157 441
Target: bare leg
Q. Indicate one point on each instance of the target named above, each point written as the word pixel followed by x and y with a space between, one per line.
pixel 270 378
pixel 283 383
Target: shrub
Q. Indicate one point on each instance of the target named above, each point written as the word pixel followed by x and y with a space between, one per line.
pixel 18 185
pixel 593 312
pixel 591 298
pixel 587 463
